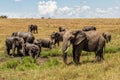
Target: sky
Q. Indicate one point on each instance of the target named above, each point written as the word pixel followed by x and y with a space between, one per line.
pixel 60 8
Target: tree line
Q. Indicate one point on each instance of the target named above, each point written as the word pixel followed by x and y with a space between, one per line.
pixel 3 16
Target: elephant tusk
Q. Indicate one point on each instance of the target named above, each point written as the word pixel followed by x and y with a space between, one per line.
pixel 66 50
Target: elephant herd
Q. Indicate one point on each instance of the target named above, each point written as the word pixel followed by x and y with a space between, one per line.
pixel 87 39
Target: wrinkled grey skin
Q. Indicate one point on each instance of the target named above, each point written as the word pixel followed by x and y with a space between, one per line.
pixel 61 29
pixel 56 37
pixel 32 50
pixel 27 36
pixel 89 28
pixel 46 42
pixel 33 28
pixel 107 36
pixel 14 43
pixel 90 41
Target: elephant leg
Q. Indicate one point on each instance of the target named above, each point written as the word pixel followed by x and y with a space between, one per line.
pixel 33 31
pixel 50 46
pixel 65 58
pixel 109 38
pixel 73 53
pixel 101 55
pixel 8 51
pixel 18 51
pixel 77 54
pixel 37 55
pixel 30 54
pixel 36 31
pixel 13 52
pixel 58 43
pixel 96 56
pixel 77 58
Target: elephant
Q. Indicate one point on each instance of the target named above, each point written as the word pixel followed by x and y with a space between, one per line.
pixel 90 41
pixel 107 36
pixel 61 29
pixel 89 28
pixel 27 36
pixel 32 49
pixel 13 43
pixel 33 28
pixel 45 42
pixel 56 37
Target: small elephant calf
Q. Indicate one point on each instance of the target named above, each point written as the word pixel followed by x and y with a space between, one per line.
pixel 46 42
pixel 57 37
pixel 107 36
pixel 32 50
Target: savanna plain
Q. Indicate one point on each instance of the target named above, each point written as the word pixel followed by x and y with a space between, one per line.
pixel 50 65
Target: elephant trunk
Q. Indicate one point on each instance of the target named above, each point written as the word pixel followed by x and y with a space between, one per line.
pixel 65 47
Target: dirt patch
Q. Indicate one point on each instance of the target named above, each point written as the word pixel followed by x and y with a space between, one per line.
pixel 2 78
pixel 2 60
pixel 41 60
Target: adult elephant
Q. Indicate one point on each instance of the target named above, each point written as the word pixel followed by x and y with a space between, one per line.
pixel 27 36
pixel 45 42
pixel 90 41
pixel 14 43
pixel 56 37
pixel 89 28
pixel 107 36
pixel 33 28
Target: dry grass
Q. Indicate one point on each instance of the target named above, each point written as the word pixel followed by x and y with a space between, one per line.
pixel 54 69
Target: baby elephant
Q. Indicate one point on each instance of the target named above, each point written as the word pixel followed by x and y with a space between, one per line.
pixel 107 36
pixel 14 43
pixel 46 43
pixel 32 50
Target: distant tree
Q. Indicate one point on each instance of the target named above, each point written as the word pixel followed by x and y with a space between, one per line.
pixel 3 16
pixel 49 17
pixel 42 17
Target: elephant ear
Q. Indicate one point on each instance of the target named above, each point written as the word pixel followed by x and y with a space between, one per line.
pixel 80 36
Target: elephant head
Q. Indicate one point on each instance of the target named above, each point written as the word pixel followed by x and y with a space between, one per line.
pixel 75 38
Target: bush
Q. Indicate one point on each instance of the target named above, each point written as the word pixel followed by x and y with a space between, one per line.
pixel 3 16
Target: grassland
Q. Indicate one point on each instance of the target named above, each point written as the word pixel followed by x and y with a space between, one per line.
pixel 50 66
